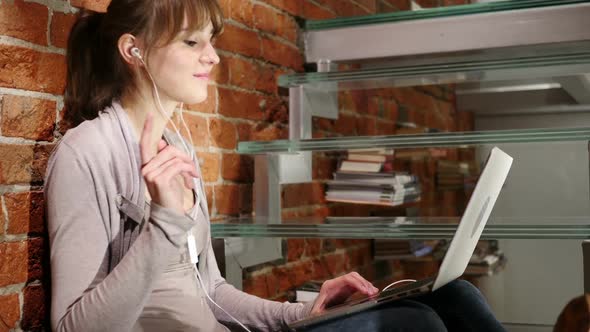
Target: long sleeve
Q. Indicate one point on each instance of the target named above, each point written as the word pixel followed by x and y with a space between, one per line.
pixel 85 295
pixel 256 313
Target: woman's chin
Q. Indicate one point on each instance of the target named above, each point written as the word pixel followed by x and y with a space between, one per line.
pixel 197 99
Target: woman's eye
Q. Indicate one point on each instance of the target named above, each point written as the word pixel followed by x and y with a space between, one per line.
pixel 190 43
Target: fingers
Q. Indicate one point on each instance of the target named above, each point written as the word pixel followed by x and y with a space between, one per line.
pixel 166 154
pixel 362 284
pixel 164 174
pixel 161 145
pixel 144 141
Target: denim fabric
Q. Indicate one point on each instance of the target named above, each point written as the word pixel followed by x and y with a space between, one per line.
pixel 458 306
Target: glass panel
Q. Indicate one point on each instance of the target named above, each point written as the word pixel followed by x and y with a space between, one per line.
pixel 470 70
pixel 403 228
pixel 476 8
pixel 452 139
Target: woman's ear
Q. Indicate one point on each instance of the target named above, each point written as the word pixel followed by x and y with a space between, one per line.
pixel 126 45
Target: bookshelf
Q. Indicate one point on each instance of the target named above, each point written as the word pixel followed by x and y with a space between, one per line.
pixel 478 47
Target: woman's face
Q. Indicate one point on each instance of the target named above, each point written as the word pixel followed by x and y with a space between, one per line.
pixel 181 69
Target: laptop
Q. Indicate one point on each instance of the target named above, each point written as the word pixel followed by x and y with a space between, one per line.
pixel 457 256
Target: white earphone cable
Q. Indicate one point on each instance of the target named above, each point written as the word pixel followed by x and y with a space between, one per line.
pixel 198 275
pixel 397 282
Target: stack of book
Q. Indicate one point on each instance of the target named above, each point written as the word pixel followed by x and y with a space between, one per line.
pixel 367 178
pixel 487 259
pixel 307 292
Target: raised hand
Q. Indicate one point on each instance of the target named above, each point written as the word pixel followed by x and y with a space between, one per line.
pixel 164 170
pixel 336 291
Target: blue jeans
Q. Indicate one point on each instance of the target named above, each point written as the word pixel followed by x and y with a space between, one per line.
pixel 457 306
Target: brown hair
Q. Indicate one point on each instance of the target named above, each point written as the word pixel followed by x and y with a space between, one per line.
pixel 97 74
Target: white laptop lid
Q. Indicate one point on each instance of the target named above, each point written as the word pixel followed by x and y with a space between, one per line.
pixel 474 218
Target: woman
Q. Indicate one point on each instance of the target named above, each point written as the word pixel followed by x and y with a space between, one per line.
pixel 127 217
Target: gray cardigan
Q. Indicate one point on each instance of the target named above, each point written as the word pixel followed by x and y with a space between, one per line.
pixel 108 247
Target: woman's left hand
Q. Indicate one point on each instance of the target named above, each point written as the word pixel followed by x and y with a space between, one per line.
pixel 336 291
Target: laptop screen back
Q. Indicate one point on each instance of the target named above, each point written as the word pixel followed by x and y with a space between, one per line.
pixel 474 218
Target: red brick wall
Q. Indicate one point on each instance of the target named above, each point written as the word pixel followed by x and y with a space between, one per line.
pixel 261 41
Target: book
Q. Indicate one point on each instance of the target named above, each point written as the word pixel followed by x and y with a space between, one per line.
pixel 360 166
pixel 307 292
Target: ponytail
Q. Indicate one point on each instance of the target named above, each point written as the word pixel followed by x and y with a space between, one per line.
pixel 96 74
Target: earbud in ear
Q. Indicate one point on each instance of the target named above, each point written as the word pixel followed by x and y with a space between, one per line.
pixel 136 53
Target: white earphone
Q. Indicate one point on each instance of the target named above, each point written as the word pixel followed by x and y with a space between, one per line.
pixel 136 52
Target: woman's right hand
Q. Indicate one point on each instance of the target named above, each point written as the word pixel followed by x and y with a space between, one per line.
pixel 164 170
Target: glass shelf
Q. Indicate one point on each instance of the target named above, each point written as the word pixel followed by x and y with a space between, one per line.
pixel 435 13
pixel 447 139
pixel 575 62
pixel 403 228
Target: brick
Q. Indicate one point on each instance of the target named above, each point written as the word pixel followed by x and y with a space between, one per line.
pixel 275 23
pixel 265 132
pixel 220 72
pixel 313 247
pixel 348 9
pixel 295 249
pixel 207 106
pixel 345 125
pixel 2 218
pixel 245 132
pixel 287 28
pixel 34 308
pixel 265 18
pixel 360 256
pixel 401 4
pixel 257 286
pixel 225 7
pixel 9 312
pixel 23 68
pixel 38 259
pixel 237 167
pixel 315 12
pixel 303 194
pixel 233 199
pixel 282 54
pixel 13 263
pixel 370 6
pixel 250 75
pixel 96 5
pixel 25 212
pixel 301 272
pixel 61 24
pixel 209 166
pixel 223 134
pixel 385 128
pixel 285 277
pixel 366 126
pixel 272 284
pixel 238 104
pixel 29 118
pixel 276 111
pixel 24 20
pixel 292 7
pixel 210 198
pixel 242 11
pixel 320 270
pixel 23 163
pixel 323 167
pixel 197 124
pixel 239 40
pixel 428 3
